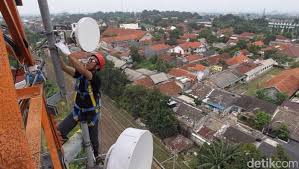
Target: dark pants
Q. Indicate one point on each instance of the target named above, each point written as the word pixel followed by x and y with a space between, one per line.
pixel 69 123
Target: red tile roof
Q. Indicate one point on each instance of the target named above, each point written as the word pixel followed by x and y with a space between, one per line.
pixel 214 60
pixel 117 34
pixel 285 82
pixel 167 58
pixel 291 50
pixel 170 88
pixel 206 133
pixel 237 60
pixel 280 37
pixel 259 43
pixel 246 67
pixel 145 82
pixel 177 72
pixel 193 58
pixel 189 36
pixel 159 47
pixel 192 45
pixel 197 67
pixel 247 34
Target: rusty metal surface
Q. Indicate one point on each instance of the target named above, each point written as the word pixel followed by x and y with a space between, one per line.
pixel 29 92
pixel 11 17
pixel 51 137
pixel 33 128
pixel 14 152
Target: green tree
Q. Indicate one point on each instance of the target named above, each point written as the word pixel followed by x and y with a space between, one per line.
pixel 113 81
pixel 269 37
pixel 261 120
pixel 208 35
pixel 282 132
pixel 134 52
pixel 280 154
pixel 280 98
pixel 217 155
pixel 242 44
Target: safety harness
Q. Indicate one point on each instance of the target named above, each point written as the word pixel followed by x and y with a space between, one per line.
pixel 87 92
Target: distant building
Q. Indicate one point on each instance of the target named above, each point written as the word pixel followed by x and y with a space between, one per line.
pixel 283 26
pixel 130 26
pixel 189 48
pixel 156 50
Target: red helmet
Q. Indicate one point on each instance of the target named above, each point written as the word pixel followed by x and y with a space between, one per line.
pixel 101 61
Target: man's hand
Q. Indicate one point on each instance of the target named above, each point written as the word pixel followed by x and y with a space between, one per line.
pixel 63 48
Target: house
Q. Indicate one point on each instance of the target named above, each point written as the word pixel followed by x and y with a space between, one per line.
pixel 189 48
pixel 193 58
pixel 184 82
pixel 159 78
pixel 234 135
pixel 290 117
pixel 286 82
pixel 156 50
pixel 291 51
pixel 253 70
pixel 216 68
pixel 178 143
pixel 215 60
pixel 133 75
pixel 120 64
pixel 219 45
pixel 199 70
pixel 252 104
pixel 237 60
pixel 258 43
pixel 189 36
pixel 122 37
pixel 246 35
pixel 145 82
pixel 170 88
pixel 177 72
pixel 282 39
pixel 189 115
pixel 130 26
pixel 169 59
pixel 220 100
pixel 226 78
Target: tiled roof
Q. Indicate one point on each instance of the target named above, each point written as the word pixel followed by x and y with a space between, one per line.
pixel 192 45
pixel 285 82
pixel 189 36
pixel 214 60
pixel 146 82
pixel 245 67
pixel 193 58
pixel 206 133
pixel 117 34
pixel 159 47
pixel 234 135
pixel 178 143
pixel 259 43
pixel 177 72
pixel 247 34
pixel 198 67
pixel 170 88
pixel 291 50
pixel 237 60
pixel 167 58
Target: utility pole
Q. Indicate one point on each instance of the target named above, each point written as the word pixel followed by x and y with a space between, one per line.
pixel 44 10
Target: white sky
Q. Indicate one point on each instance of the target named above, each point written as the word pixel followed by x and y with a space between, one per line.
pixel 84 6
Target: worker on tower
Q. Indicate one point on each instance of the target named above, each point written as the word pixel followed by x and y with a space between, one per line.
pixel 87 99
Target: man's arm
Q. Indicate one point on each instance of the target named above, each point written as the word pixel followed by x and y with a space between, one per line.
pixel 67 69
pixel 79 67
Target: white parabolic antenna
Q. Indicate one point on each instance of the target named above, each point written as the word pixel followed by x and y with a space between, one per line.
pixel 132 150
pixel 87 34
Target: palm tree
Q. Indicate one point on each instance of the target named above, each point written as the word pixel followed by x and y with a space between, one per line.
pixel 217 155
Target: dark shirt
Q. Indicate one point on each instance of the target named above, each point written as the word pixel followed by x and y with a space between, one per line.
pixel 85 101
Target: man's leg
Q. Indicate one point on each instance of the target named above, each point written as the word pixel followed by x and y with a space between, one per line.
pixel 67 125
pixel 93 134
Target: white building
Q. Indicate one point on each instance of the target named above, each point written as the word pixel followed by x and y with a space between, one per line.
pixel 130 26
pixel 264 66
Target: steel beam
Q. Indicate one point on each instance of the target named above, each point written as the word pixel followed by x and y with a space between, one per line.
pixel 15 151
pixel 29 92
pixel 10 15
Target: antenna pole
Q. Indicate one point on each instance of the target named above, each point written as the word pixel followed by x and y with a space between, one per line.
pixel 45 14
pixel 87 145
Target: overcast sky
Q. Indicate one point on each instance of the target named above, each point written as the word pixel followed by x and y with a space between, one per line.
pixel 84 6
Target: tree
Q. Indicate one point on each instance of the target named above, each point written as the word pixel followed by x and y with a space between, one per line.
pixel 282 132
pixel 136 57
pixel 113 81
pixel 208 35
pixel 242 44
pixel 217 155
pixel 280 154
pixel 261 120
pixel 280 98
pixel 269 37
